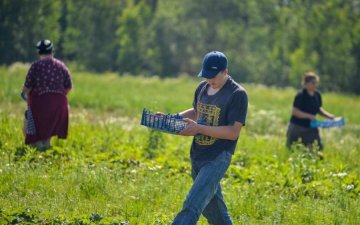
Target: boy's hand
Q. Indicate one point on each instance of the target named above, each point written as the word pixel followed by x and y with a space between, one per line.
pixel 160 114
pixel 191 128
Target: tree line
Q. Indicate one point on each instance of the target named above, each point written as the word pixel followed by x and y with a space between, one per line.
pixel 267 41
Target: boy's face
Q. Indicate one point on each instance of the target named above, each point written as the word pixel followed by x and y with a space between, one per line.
pixel 218 81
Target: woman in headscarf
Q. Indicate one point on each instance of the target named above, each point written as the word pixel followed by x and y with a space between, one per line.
pixel 47 83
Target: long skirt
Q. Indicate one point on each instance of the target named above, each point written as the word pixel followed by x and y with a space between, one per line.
pixel 308 136
pixel 50 116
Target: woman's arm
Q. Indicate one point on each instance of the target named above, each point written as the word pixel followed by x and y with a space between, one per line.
pixel 222 132
pixel 67 90
pixel 302 115
pixel 326 114
pixel 26 91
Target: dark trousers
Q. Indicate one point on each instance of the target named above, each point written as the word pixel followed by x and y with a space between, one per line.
pixel 308 136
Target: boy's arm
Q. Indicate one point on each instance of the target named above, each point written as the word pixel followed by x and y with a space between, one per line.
pixel 221 132
pixel 189 113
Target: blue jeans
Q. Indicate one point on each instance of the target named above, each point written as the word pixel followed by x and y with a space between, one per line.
pixel 205 194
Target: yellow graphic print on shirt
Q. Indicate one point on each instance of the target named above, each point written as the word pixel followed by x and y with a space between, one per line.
pixel 207 115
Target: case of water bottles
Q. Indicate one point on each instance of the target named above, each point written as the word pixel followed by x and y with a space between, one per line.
pixel 169 123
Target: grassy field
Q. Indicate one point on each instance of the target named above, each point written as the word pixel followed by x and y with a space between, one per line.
pixel 111 170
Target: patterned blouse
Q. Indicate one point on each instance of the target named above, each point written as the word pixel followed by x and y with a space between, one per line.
pixel 48 75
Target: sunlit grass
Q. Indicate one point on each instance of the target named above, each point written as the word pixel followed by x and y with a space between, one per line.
pixel 107 171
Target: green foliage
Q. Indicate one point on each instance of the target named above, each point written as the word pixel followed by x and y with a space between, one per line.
pixel 267 41
pixel 89 34
pixel 111 170
pixel 133 35
pixel 23 24
pixel 154 145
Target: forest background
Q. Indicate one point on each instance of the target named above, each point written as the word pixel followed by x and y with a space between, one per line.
pixel 271 42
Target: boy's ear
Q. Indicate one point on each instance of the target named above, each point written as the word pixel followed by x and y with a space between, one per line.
pixel 225 71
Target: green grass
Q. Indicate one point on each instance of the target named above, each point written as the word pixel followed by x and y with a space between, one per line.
pixel 112 170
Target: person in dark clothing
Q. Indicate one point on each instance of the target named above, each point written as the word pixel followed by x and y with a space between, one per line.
pixel 307 104
pixel 215 120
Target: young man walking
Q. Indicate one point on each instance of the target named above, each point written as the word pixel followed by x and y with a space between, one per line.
pixel 215 120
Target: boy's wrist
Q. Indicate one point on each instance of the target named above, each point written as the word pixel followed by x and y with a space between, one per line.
pixel 201 129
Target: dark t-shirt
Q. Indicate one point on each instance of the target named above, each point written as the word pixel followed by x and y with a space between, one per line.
pixel 225 107
pixel 48 75
pixel 306 103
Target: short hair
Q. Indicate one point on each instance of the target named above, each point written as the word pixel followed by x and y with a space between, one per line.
pixel 309 77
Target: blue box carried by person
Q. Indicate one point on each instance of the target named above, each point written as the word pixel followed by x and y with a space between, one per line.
pixel 169 123
pixel 337 122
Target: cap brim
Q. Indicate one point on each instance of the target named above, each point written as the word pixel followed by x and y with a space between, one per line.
pixel 208 73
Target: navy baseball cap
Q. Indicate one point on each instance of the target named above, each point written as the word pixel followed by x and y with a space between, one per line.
pixel 213 63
